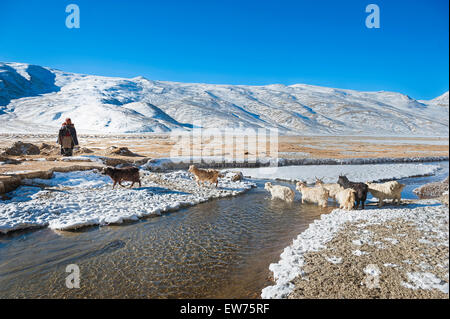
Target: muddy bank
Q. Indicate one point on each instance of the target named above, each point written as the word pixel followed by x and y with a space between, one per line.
pixel 400 261
pixel 394 252
pixel 434 190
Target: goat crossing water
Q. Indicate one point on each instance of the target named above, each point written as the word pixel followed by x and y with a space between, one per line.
pixel 361 189
pixel 389 190
pixel 317 194
pixel 281 192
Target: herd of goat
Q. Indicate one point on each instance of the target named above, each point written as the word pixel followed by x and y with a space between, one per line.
pixel 349 195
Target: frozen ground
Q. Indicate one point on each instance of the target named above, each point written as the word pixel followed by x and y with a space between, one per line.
pixel 77 199
pixel 405 141
pixel 426 223
pixel 330 173
pixel 272 165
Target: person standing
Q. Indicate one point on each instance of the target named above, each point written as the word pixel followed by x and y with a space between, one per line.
pixel 67 138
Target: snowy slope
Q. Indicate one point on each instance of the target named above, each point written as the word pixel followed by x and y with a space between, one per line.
pixel 441 100
pixel 37 99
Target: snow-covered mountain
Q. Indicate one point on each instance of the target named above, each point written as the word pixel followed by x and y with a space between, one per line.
pixel 441 100
pixel 38 99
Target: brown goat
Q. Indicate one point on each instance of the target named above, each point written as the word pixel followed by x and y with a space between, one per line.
pixel 130 174
pixel 205 175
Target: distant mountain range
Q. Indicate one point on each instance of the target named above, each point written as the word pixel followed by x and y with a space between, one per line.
pixel 35 99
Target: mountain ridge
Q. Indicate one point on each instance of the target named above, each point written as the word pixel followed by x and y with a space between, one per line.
pixel 34 98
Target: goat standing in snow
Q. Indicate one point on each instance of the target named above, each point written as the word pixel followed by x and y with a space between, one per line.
pixel 281 192
pixel 389 190
pixel 333 189
pixel 346 198
pixel 316 194
pixel 118 175
pixel 360 188
pixel 205 175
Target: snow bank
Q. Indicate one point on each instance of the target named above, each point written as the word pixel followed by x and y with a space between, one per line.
pixel 176 163
pixel 77 199
pixel 330 173
pixel 425 280
pixel 403 141
pixel 86 179
pixel 360 161
pixel 182 162
pixel 84 158
pixel 323 230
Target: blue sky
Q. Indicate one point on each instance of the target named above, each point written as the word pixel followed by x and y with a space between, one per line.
pixel 239 42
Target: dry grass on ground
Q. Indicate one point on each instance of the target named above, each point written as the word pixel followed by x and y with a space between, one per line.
pixel 130 148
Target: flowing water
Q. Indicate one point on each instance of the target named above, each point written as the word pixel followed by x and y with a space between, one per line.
pixel 219 249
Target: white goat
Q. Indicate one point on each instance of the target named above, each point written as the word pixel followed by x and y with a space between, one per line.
pixel 317 194
pixel 346 198
pixel 281 192
pixel 389 190
pixel 333 189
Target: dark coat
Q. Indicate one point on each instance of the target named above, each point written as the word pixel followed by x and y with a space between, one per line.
pixel 72 131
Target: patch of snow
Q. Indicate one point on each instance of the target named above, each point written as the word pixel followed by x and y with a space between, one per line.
pixel 334 259
pixel 80 179
pixel 359 252
pixel 372 270
pixel 79 199
pixel 23 193
pixel 84 158
pixel 17 172
pixel 330 173
pixel 425 280
pixel 321 231
pixel 182 162
pixel 393 241
pixel 404 141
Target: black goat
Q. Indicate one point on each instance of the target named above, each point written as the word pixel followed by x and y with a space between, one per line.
pixel 361 189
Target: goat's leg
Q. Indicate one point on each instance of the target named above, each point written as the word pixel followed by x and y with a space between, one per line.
pixel 114 184
pixel 140 185
pixel 132 184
